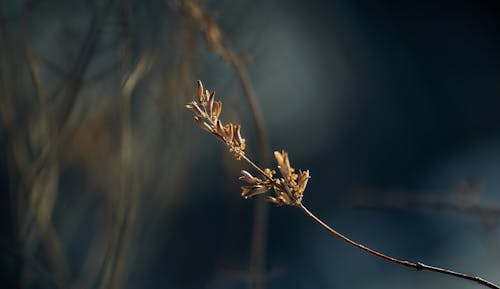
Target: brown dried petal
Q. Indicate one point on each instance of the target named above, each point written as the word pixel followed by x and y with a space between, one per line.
pixel 285 196
pixel 211 98
pixel 277 201
pixel 203 124
pixel 279 157
pixel 250 191
pixel 282 163
pixel 247 177
pixel 199 91
pixel 207 94
pixel 237 131
pixel 285 199
pixel 196 109
pixel 285 185
pixel 302 181
pixel 229 130
pixel 287 161
pixel 217 110
pixel 219 128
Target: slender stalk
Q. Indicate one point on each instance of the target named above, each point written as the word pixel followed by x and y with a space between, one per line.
pixel 417 266
pixel 290 187
pixel 256 167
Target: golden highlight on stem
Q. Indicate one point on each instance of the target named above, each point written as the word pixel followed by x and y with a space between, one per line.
pixel 288 188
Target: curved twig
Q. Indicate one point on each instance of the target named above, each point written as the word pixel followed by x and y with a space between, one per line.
pixel 290 186
pixel 417 266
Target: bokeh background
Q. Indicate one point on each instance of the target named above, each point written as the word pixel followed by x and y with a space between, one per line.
pixel 108 183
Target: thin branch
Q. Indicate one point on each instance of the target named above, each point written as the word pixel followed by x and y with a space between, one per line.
pixel 290 187
pixel 70 86
pixel 418 266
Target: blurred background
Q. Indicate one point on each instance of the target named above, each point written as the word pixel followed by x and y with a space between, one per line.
pixel 108 183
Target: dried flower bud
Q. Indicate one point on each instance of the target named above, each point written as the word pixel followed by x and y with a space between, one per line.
pixel 219 128
pixel 274 200
pixel 247 177
pixel 250 191
pixel 200 91
pixel 278 157
pixel 270 173
pixel 203 124
pixel 280 200
pixel 211 98
pixel 286 199
pixel 284 164
pixel 229 130
pixel 195 108
pixel 302 181
pixel 216 110
pixel 237 131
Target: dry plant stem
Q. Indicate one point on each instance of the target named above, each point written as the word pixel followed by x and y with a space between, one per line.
pixel 70 86
pixel 290 186
pixel 418 266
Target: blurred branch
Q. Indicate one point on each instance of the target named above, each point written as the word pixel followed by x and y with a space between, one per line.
pixel 31 144
pixel 405 203
pixel 463 203
pixel 71 85
pixel 128 192
pixel 60 72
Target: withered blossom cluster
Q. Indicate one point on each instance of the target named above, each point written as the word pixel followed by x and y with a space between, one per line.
pixel 207 112
pixel 288 188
